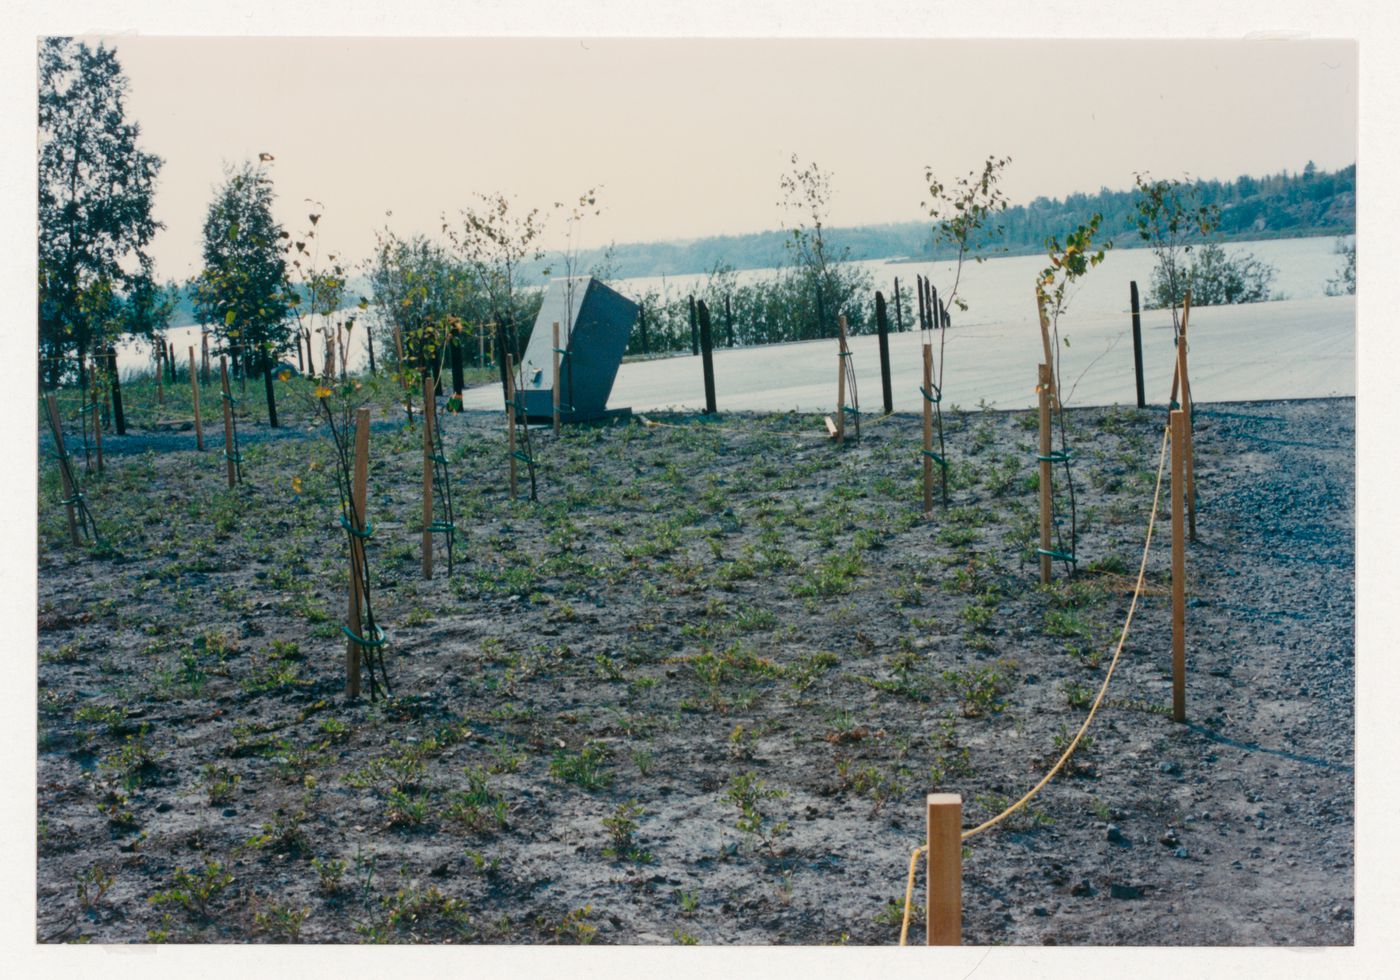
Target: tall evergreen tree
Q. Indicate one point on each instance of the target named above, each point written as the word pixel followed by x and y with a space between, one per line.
pixel 95 192
pixel 243 290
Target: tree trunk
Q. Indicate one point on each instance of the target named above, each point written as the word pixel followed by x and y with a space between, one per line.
pixel 369 345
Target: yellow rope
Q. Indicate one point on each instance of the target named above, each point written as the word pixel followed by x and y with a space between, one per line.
pixel 1093 709
pixel 909 891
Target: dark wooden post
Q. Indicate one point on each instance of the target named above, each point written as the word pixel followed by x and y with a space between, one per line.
pixel 266 357
pixel 642 322
pixel 882 324
pixel 1137 343
pixel 369 346
pixel 898 308
pixel 694 330
pixel 118 415
pixel 728 321
pixel 458 380
pixel 707 350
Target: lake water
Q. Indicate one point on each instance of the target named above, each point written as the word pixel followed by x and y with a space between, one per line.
pixel 999 291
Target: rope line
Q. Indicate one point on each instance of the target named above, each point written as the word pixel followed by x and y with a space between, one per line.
pixel 1093 709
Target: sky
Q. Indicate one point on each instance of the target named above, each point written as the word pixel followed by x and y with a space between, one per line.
pixel 688 137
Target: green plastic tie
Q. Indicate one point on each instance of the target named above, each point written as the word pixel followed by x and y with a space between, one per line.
pixel 1175 405
pixel 935 457
pixel 1057 555
pixel 84 409
pixel 518 454
pixel 935 399
pixel 845 353
pixel 229 398
pixel 236 456
pixel 378 640
pixel 1058 456
pixel 443 527
pixel 368 532
pixel 77 498
pixel 438 458
pixel 562 353
pixel 850 410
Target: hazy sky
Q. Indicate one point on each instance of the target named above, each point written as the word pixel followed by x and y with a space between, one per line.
pixel 689 137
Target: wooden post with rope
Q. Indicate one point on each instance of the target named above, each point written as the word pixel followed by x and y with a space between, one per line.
pixel 194 393
pixel 68 496
pixel 556 377
pixel 1137 343
pixel 1043 389
pixel 1179 442
pixel 358 498
pixel 510 422
pixel 944 908
pixel 228 422
pixel 429 420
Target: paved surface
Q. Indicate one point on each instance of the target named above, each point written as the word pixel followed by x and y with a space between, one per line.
pixel 1290 349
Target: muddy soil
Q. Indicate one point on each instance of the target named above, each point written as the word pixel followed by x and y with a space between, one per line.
pixel 698 692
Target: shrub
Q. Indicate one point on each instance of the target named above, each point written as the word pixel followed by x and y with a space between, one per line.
pixel 1218 279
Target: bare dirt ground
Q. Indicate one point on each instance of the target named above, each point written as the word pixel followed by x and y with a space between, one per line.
pixel 697 693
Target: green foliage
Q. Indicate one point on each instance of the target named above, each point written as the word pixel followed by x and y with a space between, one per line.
pixel 193 891
pixel 1345 283
pixel 1218 279
pixel 963 216
pixel 96 189
pixel 584 768
pixel 622 828
pixel 748 795
pixel 243 289
pixel 1171 219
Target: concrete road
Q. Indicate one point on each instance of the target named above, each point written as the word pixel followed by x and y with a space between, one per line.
pixel 1289 349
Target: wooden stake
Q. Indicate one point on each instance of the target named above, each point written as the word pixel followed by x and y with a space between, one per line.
pixel 358 519
pixel 429 418
pixel 944 869
pixel 194 393
pixel 228 422
pixel 510 422
pixel 1178 443
pixel 1044 389
pixel 1045 341
pixel 707 355
pixel 97 428
pixel 841 385
pixel 160 371
pixel 928 427
pixel 882 326
pixel 1188 449
pixel 1137 344
pixel 556 378
pixel 52 402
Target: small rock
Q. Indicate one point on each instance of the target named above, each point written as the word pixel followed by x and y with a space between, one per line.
pixel 164 807
pixel 1167 767
pixel 1169 839
pixel 1124 891
pixel 1114 835
pixel 1340 913
pixel 1082 888
pixel 230 811
pixel 1040 910
pixel 1181 852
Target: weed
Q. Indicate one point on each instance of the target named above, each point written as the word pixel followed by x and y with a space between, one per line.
pixel 282 923
pixel 748 793
pixel 135 762
pixel 584 769
pixel 193 891
pixel 1077 695
pixel 220 783
pixel 330 875
pixel 622 829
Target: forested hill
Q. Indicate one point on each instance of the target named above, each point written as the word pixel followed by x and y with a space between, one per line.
pixel 1284 205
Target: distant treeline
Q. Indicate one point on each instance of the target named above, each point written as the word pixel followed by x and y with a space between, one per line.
pixel 1283 205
